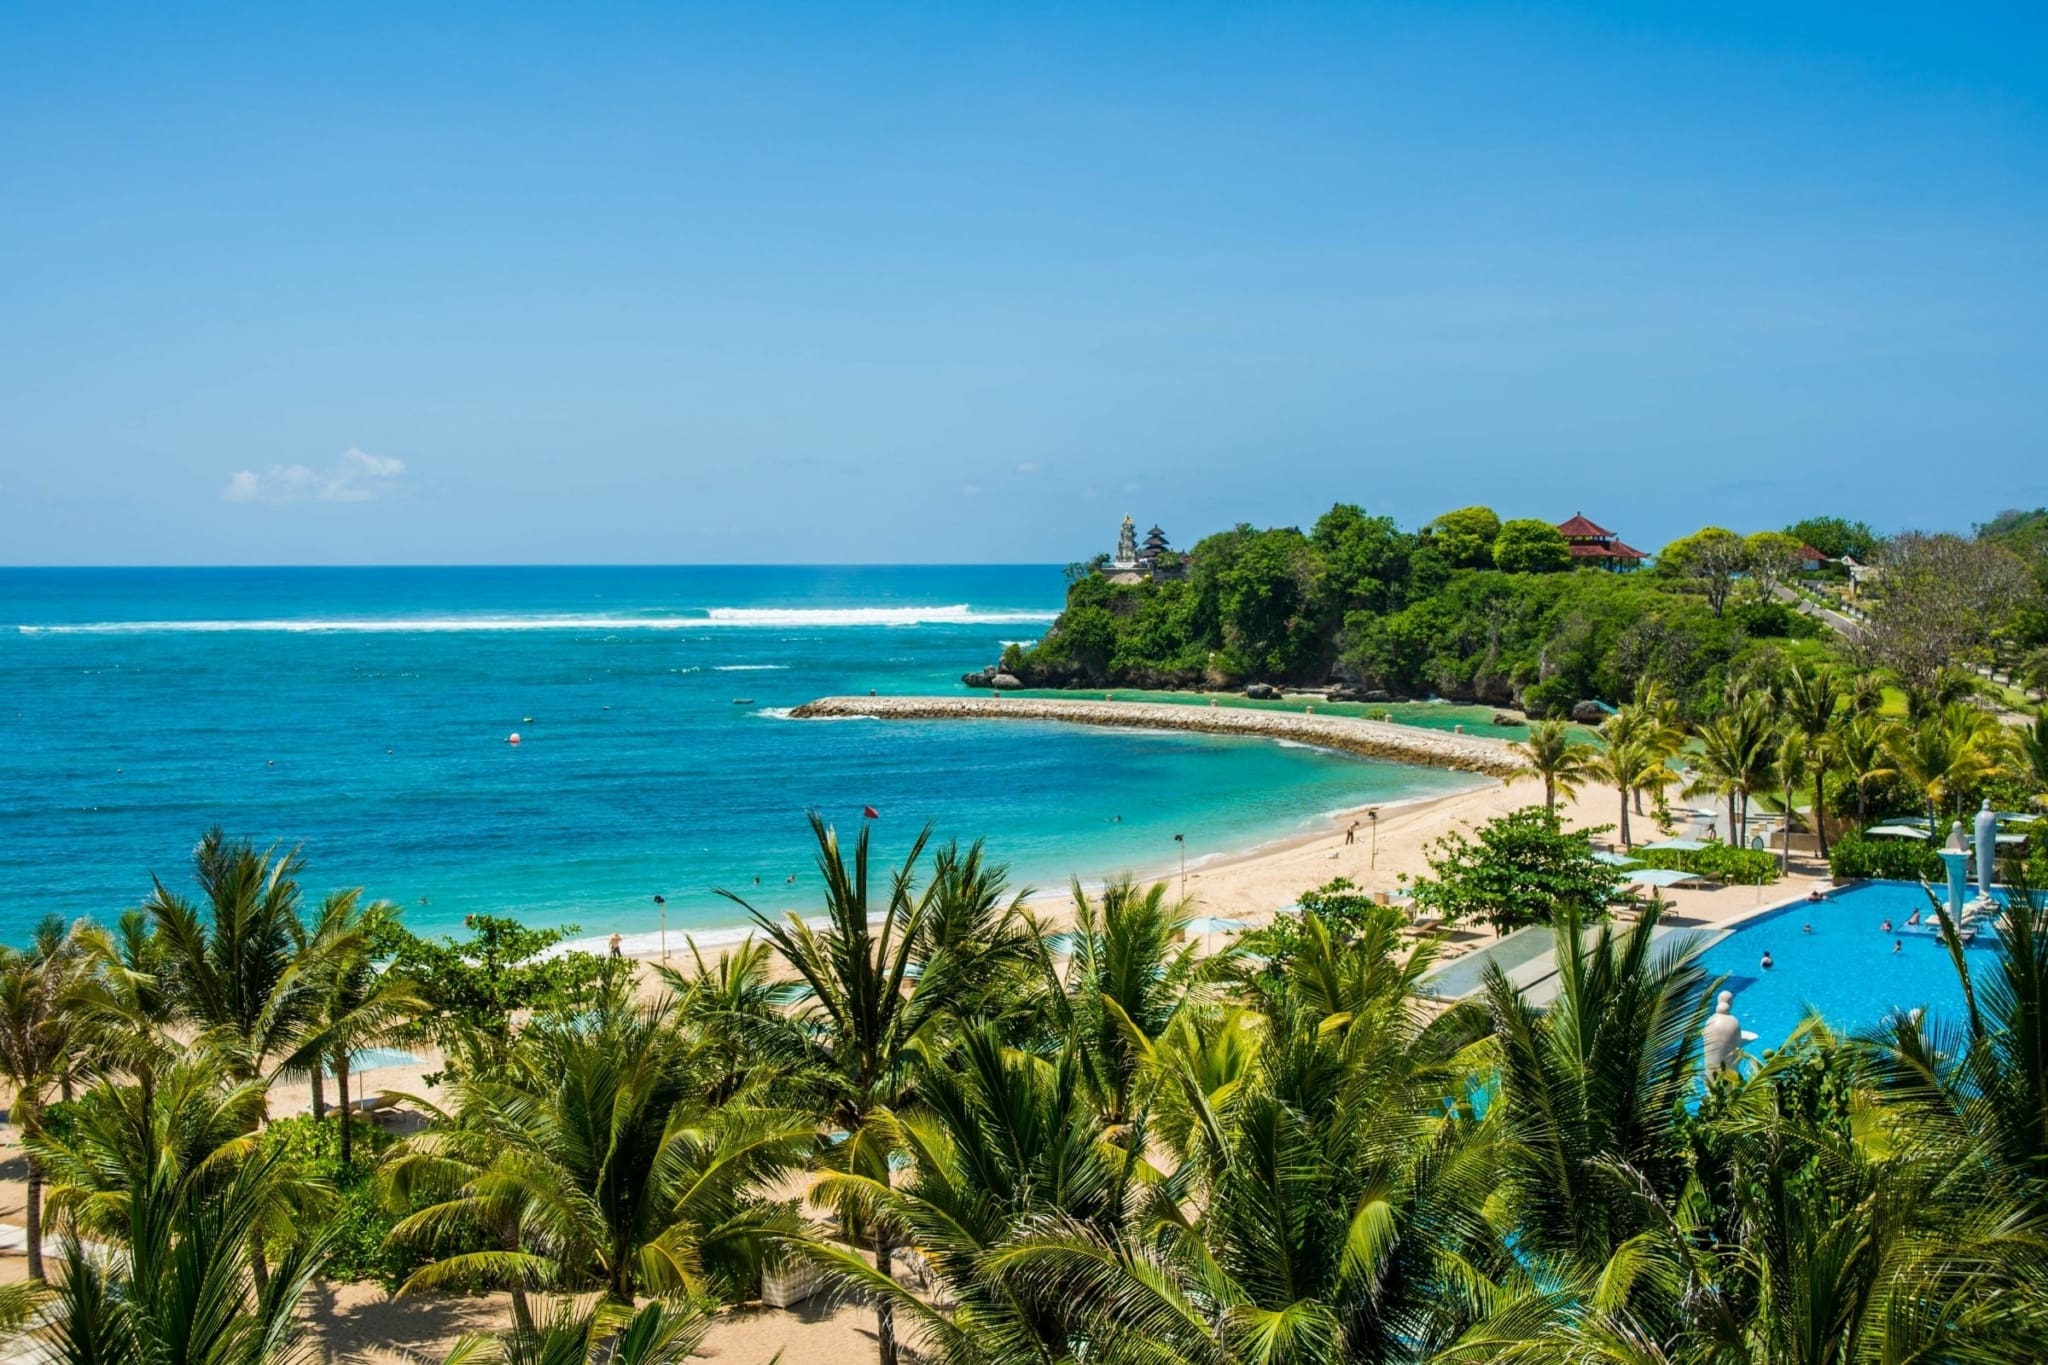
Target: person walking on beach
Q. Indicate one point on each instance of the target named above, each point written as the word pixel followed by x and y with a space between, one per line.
pixel 615 945
pixel 1351 833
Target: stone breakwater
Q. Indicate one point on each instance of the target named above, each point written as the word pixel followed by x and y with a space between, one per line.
pixel 1366 738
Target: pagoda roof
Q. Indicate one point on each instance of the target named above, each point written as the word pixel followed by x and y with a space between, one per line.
pixel 1608 549
pixel 1579 526
pixel 1808 552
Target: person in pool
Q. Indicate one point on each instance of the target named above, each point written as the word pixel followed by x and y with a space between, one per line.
pixel 1806 928
pixel 1898 945
pixel 1885 928
pixel 1814 896
pixel 1766 963
pixel 1913 919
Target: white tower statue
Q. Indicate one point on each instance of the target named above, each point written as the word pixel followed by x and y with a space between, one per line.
pixel 1126 547
pixel 1722 1037
pixel 1987 852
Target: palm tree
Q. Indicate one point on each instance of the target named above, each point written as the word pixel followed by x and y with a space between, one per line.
pixel 1553 755
pixel 1129 970
pixel 1597 1078
pixel 1735 758
pixel 602 1153
pixel 866 1007
pixel 241 973
pixel 2030 756
pixel 1809 702
pixel 1946 755
pixel 1631 767
pixel 1323 1207
pixel 593 1332
pixel 351 1006
pixel 33 1051
pixel 1793 757
pixel 1861 744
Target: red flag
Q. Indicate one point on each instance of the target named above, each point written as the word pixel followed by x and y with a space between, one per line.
pixel 870 813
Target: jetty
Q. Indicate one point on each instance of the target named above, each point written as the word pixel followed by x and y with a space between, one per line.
pixel 1377 739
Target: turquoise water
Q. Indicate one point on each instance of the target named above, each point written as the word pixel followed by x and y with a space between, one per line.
pixel 362 713
pixel 1845 968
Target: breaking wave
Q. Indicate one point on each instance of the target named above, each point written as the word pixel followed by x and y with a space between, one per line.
pixel 730 617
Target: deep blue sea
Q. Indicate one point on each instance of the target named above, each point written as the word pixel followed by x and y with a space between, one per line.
pixel 362 714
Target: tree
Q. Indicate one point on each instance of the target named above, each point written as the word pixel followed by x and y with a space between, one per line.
pixel 866 1005
pixel 1810 701
pixel 1553 755
pixel 1771 558
pixel 1130 970
pixel 33 1043
pixel 1862 744
pixel 1945 756
pixel 1362 558
pixel 1835 537
pixel 1530 546
pixel 353 1006
pixel 593 1332
pixel 1736 759
pixel 1711 559
pixel 624 1176
pixel 1630 766
pixel 1465 537
pixel 1522 869
pixel 1939 601
pixel 475 987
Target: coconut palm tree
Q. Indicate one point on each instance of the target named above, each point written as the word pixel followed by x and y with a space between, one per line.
pixel 1946 755
pixel 241 972
pixel 1325 1207
pixel 865 1010
pixel 34 1043
pixel 1861 744
pixel 1809 702
pixel 1794 754
pixel 1554 756
pixel 1631 766
pixel 1598 1077
pixel 593 1331
pixel 1130 968
pixel 352 1006
pixel 617 1172
pixel 1735 758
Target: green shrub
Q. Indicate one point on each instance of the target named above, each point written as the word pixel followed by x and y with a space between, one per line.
pixel 354 1209
pixel 1723 863
pixel 1890 859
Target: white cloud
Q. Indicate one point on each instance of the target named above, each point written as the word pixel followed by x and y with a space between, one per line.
pixel 357 477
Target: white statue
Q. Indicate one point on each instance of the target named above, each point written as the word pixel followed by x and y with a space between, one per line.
pixel 1722 1037
pixel 1987 850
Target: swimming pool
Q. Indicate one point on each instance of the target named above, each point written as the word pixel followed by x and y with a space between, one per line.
pixel 379 1059
pixel 1462 975
pixel 1845 968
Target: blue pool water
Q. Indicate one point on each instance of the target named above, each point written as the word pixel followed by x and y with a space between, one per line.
pixel 1845 968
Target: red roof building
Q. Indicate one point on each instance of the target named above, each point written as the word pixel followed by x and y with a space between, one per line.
pixel 1595 547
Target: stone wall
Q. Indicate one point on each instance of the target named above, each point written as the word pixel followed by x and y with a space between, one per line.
pixel 1366 738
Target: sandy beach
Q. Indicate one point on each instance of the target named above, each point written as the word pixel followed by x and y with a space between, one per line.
pixel 359 1322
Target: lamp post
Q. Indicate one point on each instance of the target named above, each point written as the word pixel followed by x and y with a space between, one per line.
pixel 1373 819
pixel 1182 840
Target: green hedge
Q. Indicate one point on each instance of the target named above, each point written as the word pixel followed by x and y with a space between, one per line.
pixel 1891 859
pixel 1718 862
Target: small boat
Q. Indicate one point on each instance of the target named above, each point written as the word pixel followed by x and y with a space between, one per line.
pixel 742 701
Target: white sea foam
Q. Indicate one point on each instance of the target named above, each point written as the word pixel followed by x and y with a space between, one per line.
pixel 774 712
pixel 725 617
pixel 750 668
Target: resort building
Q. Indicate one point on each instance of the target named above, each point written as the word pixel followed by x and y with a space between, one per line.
pixel 1595 547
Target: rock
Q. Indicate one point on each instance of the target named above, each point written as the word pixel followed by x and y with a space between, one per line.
pixel 1509 718
pixel 1376 696
pixel 1262 691
pixel 1005 682
pixel 980 679
pixel 1589 713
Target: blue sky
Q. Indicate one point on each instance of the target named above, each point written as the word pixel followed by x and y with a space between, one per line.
pixel 967 283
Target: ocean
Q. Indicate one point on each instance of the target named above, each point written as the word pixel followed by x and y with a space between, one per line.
pixel 362 714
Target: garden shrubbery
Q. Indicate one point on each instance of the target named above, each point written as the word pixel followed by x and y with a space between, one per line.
pixel 1890 859
pixel 1723 863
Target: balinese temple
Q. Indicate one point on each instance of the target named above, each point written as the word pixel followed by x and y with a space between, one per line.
pixel 1126 556
pixel 1155 545
pixel 1595 547
pixel 1134 564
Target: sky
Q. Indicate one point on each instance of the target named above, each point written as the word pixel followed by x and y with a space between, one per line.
pixel 968 283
